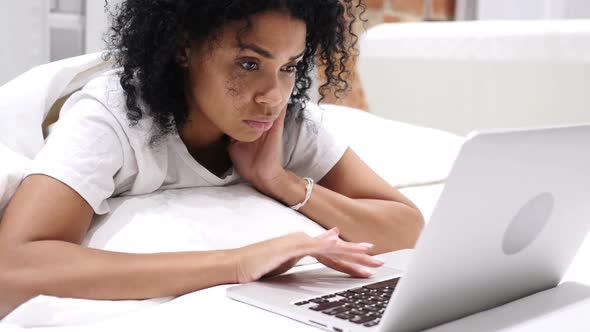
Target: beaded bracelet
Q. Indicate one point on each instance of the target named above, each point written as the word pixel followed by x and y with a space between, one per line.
pixel 308 189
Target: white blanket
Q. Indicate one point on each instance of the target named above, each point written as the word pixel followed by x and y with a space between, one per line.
pixel 12 166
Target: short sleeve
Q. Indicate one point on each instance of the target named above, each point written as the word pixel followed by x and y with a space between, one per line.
pixel 310 149
pixel 83 151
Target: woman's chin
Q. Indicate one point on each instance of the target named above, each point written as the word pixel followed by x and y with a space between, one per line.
pixel 246 137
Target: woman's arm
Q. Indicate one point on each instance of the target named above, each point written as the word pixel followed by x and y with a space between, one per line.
pixel 350 196
pixel 40 253
pixel 358 201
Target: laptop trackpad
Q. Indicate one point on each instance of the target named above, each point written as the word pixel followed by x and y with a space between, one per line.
pixel 318 281
pixel 324 280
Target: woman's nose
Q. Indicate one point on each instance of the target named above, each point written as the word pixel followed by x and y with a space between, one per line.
pixel 270 95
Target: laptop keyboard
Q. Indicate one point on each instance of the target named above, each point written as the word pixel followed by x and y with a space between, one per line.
pixel 364 305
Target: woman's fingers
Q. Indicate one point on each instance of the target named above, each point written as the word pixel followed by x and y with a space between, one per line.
pixel 359 259
pixel 345 267
pixel 330 250
pixel 300 244
pixel 275 256
pixel 346 257
pixel 351 247
pixel 329 233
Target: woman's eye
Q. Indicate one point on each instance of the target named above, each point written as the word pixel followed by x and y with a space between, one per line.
pixel 249 65
pixel 291 69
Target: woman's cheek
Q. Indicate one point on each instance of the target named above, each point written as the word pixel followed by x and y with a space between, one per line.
pixel 235 88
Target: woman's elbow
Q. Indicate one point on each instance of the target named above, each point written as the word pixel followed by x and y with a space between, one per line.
pixel 401 230
pixel 410 228
pixel 417 225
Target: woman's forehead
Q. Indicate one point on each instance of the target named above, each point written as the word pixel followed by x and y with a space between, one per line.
pixel 279 34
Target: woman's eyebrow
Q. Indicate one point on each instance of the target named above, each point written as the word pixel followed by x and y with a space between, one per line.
pixel 265 53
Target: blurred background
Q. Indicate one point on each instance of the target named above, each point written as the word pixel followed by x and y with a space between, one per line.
pixel 406 11
pixel 38 31
pixel 35 32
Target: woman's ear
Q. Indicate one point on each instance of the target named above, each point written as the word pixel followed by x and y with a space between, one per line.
pixel 184 50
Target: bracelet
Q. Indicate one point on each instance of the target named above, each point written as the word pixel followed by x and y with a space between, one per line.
pixel 308 189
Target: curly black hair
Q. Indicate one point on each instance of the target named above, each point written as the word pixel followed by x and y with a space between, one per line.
pixel 144 42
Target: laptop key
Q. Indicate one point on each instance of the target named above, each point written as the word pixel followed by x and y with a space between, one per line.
pixel 318 300
pixel 363 305
pixel 371 308
pixel 327 305
pixel 391 283
pixel 372 323
pixel 357 290
pixel 336 310
pixel 362 319
pixel 345 315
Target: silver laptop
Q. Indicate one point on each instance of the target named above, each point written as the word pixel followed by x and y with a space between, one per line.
pixel 512 215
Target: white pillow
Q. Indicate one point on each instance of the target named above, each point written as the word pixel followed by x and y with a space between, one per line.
pixel 208 218
pixel 229 217
pixel 12 170
pixel 168 221
pixel 403 154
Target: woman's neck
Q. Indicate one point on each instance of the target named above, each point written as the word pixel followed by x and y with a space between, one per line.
pixel 199 133
pixel 206 144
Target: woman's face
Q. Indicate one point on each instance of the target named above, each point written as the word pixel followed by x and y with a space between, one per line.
pixel 239 87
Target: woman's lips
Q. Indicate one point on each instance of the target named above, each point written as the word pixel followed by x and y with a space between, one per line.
pixel 259 125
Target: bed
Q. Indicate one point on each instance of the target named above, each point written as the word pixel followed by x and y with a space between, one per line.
pixel 413 158
pixel 210 309
pixel 416 158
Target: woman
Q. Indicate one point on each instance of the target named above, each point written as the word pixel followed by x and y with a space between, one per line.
pixel 206 93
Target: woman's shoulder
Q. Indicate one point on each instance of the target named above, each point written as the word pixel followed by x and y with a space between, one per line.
pixel 308 119
pixel 103 98
pixel 105 89
pixel 310 148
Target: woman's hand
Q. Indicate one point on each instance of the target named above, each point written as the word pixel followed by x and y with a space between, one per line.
pixel 259 162
pixel 275 256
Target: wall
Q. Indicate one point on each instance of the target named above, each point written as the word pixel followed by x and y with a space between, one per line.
pixel 380 11
pixel 24 34
pixel 532 9
pixel 96 24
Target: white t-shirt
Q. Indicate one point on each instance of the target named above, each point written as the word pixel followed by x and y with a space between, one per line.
pixel 93 150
